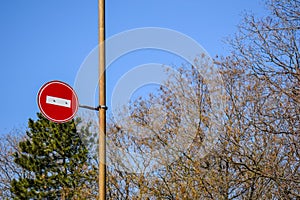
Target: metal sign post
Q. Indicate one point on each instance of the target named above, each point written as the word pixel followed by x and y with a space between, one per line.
pixel 102 101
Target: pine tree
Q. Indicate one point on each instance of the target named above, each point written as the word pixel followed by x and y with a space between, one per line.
pixel 57 160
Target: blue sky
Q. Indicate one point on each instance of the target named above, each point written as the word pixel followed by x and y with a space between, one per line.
pixel 48 40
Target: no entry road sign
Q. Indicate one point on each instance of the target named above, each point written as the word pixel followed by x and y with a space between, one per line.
pixel 57 101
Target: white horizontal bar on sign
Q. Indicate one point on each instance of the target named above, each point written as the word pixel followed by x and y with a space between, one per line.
pixel 58 101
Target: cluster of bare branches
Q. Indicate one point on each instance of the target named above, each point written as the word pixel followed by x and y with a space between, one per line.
pixel 9 170
pixel 257 152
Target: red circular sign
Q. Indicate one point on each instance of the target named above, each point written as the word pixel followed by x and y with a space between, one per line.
pixel 57 101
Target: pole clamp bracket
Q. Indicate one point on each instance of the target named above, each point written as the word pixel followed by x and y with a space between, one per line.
pixel 102 107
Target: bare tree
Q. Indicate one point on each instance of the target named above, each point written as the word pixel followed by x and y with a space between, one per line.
pixel 257 153
pixel 8 169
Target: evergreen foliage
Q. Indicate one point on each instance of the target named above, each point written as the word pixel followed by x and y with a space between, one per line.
pixel 56 159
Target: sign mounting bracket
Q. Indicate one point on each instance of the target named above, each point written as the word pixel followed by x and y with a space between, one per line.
pixel 94 108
